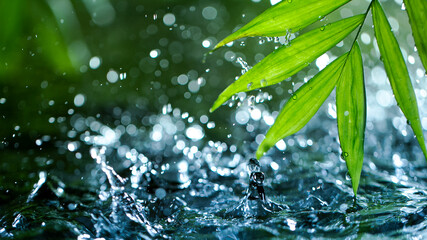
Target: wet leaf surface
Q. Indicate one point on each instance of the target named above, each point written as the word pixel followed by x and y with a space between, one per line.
pixel 397 72
pixel 290 59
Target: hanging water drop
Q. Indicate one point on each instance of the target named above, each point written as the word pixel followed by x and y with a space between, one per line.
pixel 347 176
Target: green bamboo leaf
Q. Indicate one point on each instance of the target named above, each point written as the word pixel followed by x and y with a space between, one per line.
pixel 286 16
pixel 397 72
pixel 10 13
pixel 288 60
pixel 11 18
pixel 50 40
pixel 303 105
pixel 351 114
pixel 417 10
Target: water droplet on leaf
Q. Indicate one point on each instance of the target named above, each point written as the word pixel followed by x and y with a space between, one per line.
pixel 249 86
pixel 344 155
pixel 263 83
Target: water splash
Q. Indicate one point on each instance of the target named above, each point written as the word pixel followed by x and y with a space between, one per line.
pixel 124 206
pixel 255 203
pixel 244 65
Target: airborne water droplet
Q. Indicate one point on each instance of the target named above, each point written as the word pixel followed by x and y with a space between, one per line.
pixel 254 165
pixel 245 66
pixel 251 102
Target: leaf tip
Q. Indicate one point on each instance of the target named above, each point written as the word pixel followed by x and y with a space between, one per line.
pixel 262 149
pixel 224 41
pixel 355 181
pixel 259 153
pixel 214 106
pixel 220 44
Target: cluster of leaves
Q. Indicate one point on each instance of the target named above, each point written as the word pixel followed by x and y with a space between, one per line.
pixel 345 73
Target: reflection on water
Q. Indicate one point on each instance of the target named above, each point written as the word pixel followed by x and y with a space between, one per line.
pixel 124 147
pixel 209 190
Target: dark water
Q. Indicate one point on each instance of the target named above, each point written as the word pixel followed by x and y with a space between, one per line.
pixel 123 146
pixel 208 192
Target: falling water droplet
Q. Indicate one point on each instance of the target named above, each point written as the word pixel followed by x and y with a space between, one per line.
pixel 251 102
pixel 254 165
pixel 245 66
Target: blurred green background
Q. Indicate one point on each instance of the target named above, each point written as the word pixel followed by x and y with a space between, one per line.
pixel 106 58
pixel 54 53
